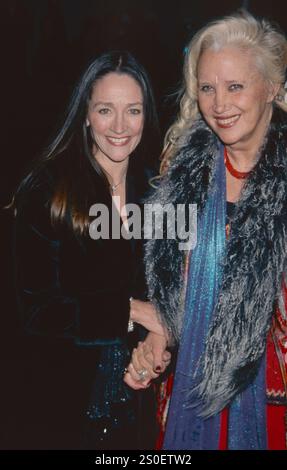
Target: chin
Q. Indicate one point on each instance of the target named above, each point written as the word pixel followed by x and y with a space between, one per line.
pixel 227 138
pixel 227 141
pixel 119 158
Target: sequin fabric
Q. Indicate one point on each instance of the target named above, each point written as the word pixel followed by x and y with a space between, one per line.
pixel 111 412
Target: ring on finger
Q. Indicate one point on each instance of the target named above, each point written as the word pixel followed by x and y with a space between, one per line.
pixel 143 374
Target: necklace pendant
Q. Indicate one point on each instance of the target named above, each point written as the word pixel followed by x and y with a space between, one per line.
pixel 114 186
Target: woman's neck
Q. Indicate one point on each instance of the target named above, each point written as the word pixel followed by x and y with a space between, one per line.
pixel 242 159
pixel 114 171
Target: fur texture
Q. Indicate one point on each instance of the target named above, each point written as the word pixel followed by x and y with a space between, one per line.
pixel 253 265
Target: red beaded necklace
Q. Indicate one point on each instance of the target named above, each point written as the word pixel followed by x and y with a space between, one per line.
pixel 240 175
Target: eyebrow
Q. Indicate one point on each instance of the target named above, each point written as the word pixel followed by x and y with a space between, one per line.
pixel 226 81
pixel 234 81
pixel 112 104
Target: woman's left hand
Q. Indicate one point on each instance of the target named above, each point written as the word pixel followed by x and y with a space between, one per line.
pixel 139 371
pixel 148 360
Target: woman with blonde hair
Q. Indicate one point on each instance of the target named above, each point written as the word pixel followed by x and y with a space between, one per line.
pixel 224 302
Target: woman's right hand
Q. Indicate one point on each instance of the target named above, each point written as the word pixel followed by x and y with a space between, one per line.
pixel 148 361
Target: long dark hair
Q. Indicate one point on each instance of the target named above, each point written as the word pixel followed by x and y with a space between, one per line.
pixel 73 141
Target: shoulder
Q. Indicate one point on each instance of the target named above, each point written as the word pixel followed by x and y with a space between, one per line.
pixel 278 123
pixel 36 188
pixel 33 200
pixel 140 175
pixel 195 152
pixel 195 143
pixel 191 167
pixel 40 184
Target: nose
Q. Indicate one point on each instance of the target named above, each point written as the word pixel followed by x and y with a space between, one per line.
pixel 118 125
pixel 220 103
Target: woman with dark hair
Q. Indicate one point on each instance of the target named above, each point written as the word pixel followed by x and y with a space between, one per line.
pixel 74 290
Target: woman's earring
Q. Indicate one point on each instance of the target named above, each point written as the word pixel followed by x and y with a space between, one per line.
pixel 87 123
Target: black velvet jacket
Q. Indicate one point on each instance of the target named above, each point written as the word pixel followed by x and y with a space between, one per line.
pixel 76 288
pixel 73 294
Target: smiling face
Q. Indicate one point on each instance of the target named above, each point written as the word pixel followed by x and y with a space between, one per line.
pixel 233 97
pixel 116 117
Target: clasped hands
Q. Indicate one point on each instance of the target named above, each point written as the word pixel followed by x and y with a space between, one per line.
pixel 150 358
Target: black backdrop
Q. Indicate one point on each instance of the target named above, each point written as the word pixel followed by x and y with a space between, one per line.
pixel 47 43
pixel 45 46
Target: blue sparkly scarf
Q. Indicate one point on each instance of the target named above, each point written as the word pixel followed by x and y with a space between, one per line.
pixel 186 429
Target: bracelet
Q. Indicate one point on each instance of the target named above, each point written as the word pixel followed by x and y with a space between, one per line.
pixel 131 325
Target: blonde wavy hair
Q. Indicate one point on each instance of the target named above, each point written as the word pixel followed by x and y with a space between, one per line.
pixel 241 30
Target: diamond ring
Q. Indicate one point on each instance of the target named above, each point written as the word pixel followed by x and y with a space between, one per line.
pixel 143 374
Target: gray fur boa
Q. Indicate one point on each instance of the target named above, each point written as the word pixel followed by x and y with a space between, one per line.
pixel 255 259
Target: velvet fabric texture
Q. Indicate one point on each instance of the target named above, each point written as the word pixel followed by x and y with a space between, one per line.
pixel 73 294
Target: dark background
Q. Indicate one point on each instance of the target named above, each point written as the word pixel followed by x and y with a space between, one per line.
pixel 46 44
